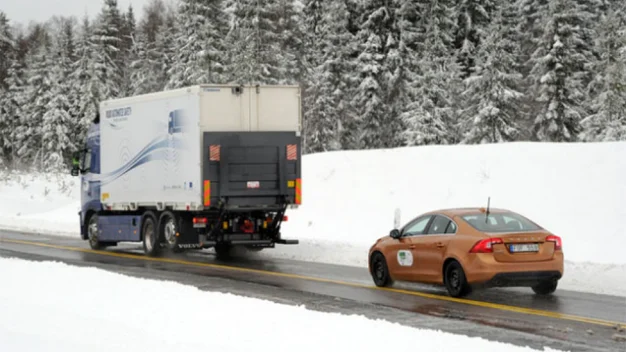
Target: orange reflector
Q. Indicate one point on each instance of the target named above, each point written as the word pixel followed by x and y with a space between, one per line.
pixel 298 191
pixel 214 152
pixel 292 152
pixel 207 193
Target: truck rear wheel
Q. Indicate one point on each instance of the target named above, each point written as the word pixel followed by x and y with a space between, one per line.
pixel 149 233
pixel 169 231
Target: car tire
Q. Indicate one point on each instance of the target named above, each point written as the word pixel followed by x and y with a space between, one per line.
pixel 455 280
pixel 545 288
pixel 380 271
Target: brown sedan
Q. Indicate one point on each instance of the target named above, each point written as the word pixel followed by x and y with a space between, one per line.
pixel 469 248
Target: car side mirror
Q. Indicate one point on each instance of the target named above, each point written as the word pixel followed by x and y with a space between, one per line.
pixel 75 171
pixel 395 234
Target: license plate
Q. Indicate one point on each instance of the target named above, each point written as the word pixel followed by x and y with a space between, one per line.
pixel 254 184
pixel 526 247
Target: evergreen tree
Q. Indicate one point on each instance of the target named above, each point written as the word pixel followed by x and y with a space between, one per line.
pixel 376 39
pixel 608 120
pixel 109 55
pixel 87 73
pixel 431 115
pixel 473 18
pixel 493 94
pixel 199 44
pixel 328 108
pixel 559 74
pixel 6 47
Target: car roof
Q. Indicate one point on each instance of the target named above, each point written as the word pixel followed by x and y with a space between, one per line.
pixel 450 212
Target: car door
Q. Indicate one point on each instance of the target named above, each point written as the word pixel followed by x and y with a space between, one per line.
pixel 429 248
pixel 401 259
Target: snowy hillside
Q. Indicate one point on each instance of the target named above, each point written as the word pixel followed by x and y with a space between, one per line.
pixel 66 318
pixel 578 191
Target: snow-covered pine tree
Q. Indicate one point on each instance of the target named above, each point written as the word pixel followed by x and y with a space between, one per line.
pixel 431 115
pixel 6 47
pixel 86 76
pixel 199 44
pixel 255 43
pixel 7 57
pixel 27 136
pixel 57 122
pixel 608 119
pixel 473 17
pixel 109 54
pixel 127 36
pixel 492 99
pixel 559 74
pixel 328 111
pixel 378 127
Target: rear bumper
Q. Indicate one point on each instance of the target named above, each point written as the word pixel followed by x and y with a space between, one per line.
pixel 484 270
pixel 520 279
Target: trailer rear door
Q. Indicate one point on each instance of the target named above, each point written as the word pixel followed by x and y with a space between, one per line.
pixel 252 169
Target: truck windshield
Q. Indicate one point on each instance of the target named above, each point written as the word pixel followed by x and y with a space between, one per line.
pixel 500 222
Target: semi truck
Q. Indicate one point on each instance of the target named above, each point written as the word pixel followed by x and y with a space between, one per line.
pixel 205 166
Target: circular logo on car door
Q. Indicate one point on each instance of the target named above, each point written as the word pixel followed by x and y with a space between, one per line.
pixel 405 258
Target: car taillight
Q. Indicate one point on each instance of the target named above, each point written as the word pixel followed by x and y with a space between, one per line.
pixel 558 244
pixel 486 245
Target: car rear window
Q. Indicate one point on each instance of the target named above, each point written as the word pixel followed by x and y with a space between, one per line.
pixel 500 222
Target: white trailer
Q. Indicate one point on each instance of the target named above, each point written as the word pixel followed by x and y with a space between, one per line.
pixel 201 166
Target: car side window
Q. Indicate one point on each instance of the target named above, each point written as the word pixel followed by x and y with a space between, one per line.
pixel 416 227
pixel 451 227
pixel 439 225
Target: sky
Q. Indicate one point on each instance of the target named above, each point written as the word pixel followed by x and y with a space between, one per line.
pixel 24 11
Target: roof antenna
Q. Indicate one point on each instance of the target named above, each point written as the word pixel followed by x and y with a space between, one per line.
pixel 488 203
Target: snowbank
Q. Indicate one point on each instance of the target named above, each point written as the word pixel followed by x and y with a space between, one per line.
pixel 67 318
pixel 578 191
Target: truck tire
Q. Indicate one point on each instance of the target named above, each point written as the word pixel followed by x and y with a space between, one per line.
pixel 223 251
pixel 168 230
pixel 93 232
pixel 149 234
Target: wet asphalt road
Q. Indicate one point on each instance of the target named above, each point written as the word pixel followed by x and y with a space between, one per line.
pixel 543 321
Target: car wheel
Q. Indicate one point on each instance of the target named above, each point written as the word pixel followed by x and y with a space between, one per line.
pixel 545 288
pixel 455 281
pixel 380 271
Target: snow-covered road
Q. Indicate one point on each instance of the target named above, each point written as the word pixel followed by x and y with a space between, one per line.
pixel 50 306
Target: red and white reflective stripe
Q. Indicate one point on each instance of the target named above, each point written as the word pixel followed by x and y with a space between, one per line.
pixel 214 152
pixel 292 152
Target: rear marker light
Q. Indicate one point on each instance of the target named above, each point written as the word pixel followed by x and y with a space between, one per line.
pixel 558 244
pixel 199 220
pixel 214 152
pixel 486 245
pixel 292 152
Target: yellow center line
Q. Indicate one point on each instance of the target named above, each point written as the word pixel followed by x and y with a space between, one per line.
pixel 502 307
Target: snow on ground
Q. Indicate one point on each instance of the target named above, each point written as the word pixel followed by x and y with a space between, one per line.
pixel 578 191
pixel 70 317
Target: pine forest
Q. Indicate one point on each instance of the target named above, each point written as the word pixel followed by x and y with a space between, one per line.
pixel 373 73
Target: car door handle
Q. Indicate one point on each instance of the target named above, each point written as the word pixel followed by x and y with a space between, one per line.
pixel 439 244
pixel 412 246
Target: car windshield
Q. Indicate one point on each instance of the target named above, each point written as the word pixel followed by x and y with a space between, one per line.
pixel 500 222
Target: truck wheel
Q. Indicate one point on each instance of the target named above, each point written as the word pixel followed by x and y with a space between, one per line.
pixel 168 228
pixel 151 243
pixel 92 233
pixel 223 251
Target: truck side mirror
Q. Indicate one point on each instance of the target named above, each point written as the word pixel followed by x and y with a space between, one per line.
pixel 75 164
pixel 395 234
